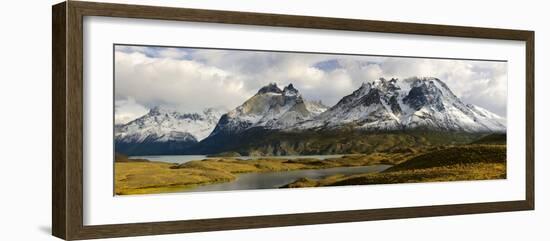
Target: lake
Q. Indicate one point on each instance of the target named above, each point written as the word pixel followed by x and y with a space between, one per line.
pixel 266 180
pixel 187 158
pixel 270 180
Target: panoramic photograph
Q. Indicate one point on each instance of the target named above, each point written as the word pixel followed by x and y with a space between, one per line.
pixel 192 119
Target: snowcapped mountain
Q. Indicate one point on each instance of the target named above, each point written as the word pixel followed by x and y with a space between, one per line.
pixel 421 103
pixel 270 108
pixel 279 121
pixel 176 130
pixel 167 125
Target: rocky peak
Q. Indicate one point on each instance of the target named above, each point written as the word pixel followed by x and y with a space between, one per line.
pixel 290 91
pixel 392 85
pixel 271 108
pixel 161 110
pixel 270 88
pixel 155 111
pixel 428 91
pixel 353 97
pixel 430 82
pixel 386 85
pixel 424 102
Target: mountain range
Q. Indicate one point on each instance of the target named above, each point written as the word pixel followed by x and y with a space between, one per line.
pixel 278 121
pixel 425 103
pixel 165 131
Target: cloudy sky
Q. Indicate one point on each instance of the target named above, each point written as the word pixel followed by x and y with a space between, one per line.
pixel 191 79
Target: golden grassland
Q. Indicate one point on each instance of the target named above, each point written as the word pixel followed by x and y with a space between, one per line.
pixel 463 163
pixel 158 177
pixel 478 171
pixel 142 177
pixel 443 163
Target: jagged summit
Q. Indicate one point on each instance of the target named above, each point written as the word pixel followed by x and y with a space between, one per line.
pixel 270 88
pixel 382 104
pixel 157 110
pixel 423 103
pixel 270 108
pixel 290 91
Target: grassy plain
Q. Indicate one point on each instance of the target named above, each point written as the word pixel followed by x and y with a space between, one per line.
pixel 141 177
pixel 456 163
pixel 409 165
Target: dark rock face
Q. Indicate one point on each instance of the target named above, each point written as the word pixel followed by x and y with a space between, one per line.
pixel 416 98
pixel 290 90
pixel 392 85
pixel 151 147
pixel 423 95
pixel 373 97
pixel 396 109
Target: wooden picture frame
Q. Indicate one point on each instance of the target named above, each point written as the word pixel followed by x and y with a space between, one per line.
pixel 67 124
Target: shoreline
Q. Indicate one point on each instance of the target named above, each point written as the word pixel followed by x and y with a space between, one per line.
pixel 158 177
pixel 447 163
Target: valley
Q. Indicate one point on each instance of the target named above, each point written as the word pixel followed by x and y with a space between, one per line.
pixel 386 131
pixel 410 165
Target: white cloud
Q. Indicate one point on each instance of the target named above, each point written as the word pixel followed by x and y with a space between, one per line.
pixel 181 84
pixel 127 110
pixel 193 79
pixel 172 53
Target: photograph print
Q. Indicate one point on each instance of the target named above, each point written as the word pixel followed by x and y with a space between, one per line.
pixel 189 119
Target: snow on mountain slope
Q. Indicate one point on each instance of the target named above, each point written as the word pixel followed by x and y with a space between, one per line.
pixel 270 108
pixel 315 107
pixel 423 103
pixel 162 125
